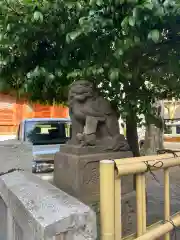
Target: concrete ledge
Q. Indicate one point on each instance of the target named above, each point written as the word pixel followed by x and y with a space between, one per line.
pixel 43 211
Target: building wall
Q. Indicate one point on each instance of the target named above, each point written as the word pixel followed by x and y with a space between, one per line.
pixel 13 111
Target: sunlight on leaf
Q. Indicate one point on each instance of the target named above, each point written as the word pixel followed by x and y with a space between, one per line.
pixel 38 16
pixel 132 21
pixel 154 35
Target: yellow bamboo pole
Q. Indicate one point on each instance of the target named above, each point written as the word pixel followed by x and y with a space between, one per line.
pixel 140 167
pixel 107 201
pixel 144 201
pixel 166 199
pixel 146 158
pixel 118 222
pixel 139 204
pixel 161 230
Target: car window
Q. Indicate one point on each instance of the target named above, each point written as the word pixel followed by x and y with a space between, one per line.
pixel 178 129
pixel 49 132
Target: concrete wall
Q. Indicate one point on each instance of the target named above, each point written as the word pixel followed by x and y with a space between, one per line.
pixel 36 210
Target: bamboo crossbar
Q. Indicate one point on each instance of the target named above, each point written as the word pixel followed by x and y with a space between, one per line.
pixel 150 228
pixel 161 230
pixel 145 158
pixel 110 196
pixel 140 166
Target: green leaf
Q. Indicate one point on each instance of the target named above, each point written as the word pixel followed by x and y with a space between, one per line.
pixel 148 6
pixel 132 21
pixel 74 74
pixel 8 27
pixel 132 1
pixel 37 16
pixel 92 2
pixel 137 39
pixel 114 74
pixel 82 20
pixel 124 22
pixel 135 12
pixel 72 36
pixel 154 35
pixel 99 2
pixel 119 1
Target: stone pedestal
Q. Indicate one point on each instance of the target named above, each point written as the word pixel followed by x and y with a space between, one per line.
pixel 77 173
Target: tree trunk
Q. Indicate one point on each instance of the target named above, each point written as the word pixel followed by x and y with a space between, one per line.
pixel 153 139
pixel 131 134
pixel 154 132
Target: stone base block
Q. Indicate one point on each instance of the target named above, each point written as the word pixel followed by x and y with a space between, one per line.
pixel 128 214
pixel 78 174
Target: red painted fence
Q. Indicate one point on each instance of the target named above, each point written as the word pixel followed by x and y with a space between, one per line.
pixel 13 111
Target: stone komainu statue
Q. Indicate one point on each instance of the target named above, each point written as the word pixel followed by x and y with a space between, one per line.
pixel 94 123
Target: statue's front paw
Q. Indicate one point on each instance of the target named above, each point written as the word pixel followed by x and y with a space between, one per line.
pixel 80 137
pixel 90 139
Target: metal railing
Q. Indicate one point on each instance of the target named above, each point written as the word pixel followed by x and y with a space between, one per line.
pixel 110 197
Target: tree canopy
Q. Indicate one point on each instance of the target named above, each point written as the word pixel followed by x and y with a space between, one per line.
pixel 128 48
pixel 35 58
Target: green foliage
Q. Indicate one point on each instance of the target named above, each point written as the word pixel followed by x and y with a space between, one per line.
pixel 135 44
pixel 128 48
pixel 34 59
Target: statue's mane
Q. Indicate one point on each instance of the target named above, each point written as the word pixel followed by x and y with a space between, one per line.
pixel 87 86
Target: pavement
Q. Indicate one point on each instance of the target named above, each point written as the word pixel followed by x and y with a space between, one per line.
pixel 155 196
pixel 170 145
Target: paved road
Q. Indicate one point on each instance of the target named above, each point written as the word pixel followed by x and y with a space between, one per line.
pixel 155 190
pixel 172 145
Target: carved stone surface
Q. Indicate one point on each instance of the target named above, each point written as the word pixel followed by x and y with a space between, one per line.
pixel 78 175
pixel 94 122
pixel 129 213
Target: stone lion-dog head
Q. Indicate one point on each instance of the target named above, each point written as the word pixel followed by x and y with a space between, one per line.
pixel 80 91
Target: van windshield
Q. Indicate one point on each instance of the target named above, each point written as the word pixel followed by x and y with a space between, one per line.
pixel 47 132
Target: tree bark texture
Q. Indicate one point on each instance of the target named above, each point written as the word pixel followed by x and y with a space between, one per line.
pixel 154 131
pixel 131 133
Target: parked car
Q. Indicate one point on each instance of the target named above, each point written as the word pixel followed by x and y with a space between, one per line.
pixel 46 136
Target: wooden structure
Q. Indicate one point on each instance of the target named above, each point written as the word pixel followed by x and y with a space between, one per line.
pixel 13 111
pixel 110 197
